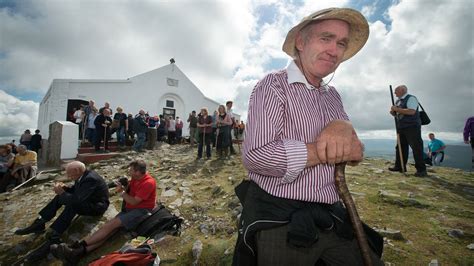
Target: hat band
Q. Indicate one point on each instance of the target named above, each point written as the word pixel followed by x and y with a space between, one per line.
pixel 320 14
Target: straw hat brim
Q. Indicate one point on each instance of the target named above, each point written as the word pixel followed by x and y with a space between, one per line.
pixel 358 35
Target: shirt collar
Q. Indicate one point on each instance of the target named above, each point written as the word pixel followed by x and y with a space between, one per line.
pixel 404 95
pixel 80 178
pixel 296 76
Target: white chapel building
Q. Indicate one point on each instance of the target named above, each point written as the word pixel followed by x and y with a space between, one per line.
pixel 165 90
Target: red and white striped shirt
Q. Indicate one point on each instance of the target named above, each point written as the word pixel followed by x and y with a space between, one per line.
pixel 285 113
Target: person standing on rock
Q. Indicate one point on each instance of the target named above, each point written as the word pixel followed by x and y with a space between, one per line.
pixel 140 200
pixel 89 195
pixel 140 128
pixel 409 129
pixel 204 126
pixel 36 141
pixel 102 128
pixel 297 130
pixel 192 120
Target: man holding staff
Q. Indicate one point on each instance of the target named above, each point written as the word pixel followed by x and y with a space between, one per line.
pixel 297 131
pixel 408 131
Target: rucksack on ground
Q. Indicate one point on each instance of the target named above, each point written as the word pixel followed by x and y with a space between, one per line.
pixel 160 220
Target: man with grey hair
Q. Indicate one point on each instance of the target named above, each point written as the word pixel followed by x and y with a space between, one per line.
pixel 409 131
pixel 24 167
pixel 89 195
pixel 297 130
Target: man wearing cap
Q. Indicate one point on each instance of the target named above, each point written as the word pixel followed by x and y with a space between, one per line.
pixel 297 130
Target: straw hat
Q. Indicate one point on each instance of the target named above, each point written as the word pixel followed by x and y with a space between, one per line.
pixel 358 35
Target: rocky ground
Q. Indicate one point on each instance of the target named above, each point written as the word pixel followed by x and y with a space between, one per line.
pixel 423 219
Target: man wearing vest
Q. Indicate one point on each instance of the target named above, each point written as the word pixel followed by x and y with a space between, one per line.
pixel 409 130
pixel 140 200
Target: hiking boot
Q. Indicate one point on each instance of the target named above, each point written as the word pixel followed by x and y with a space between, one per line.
pixel 36 227
pixel 66 254
pixel 395 169
pixel 39 253
pixel 421 174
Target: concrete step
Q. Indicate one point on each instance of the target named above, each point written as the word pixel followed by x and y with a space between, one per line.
pixel 82 150
pixel 88 158
pixel 88 144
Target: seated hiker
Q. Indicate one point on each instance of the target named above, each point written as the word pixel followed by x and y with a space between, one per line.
pixel 88 196
pixel 24 167
pixel 436 149
pixel 139 199
pixel 6 160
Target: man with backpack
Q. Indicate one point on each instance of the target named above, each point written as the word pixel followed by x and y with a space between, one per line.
pixel 409 129
pixel 139 200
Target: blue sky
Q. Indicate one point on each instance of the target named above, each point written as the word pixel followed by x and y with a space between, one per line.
pixel 427 45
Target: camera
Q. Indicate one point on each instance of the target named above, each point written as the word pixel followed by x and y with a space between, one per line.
pixel 123 180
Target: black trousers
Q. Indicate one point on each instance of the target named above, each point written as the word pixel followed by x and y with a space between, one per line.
pixel 101 136
pixel 273 249
pixel 411 137
pixel 70 211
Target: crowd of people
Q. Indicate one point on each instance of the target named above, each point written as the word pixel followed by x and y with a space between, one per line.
pixel 89 196
pixel 143 130
pixel 292 212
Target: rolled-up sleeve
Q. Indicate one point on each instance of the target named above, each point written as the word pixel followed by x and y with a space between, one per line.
pixel 265 151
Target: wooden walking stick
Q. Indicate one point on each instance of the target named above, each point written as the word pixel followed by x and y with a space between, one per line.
pixel 400 153
pixel 345 195
pixel 105 135
pixel 217 136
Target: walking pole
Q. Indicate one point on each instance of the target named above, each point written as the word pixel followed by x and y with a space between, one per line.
pixel 204 138
pixel 105 134
pixel 343 191
pixel 83 131
pixel 400 153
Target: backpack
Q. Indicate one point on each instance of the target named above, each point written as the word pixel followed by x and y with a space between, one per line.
pixel 140 256
pixel 159 221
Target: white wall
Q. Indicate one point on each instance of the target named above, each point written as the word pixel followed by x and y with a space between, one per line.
pixel 69 140
pixel 148 91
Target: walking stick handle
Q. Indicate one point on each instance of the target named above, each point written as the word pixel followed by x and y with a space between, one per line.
pixel 344 194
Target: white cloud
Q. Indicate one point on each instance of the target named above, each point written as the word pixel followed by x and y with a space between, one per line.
pixel 16 115
pixel 426 49
pixel 224 48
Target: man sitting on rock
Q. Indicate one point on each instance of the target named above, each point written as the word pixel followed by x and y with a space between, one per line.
pixel 139 198
pixel 88 196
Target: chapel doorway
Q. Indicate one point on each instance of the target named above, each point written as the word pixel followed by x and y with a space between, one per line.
pixel 169 112
pixel 72 106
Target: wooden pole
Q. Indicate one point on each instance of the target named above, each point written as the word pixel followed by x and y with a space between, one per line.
pixel 400 153
pixel 345 195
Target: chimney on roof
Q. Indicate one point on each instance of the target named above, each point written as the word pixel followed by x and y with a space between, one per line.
pixel 172 61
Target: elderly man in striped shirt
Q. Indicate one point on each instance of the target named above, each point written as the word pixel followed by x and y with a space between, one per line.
pixel 297 131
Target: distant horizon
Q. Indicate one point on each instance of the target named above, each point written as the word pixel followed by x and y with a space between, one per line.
pixel 458 154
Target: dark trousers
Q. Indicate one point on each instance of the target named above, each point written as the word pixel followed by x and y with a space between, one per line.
pixel 273 249
pixel 6 180
pixel 70 211
pixel 151 138
pixel 171 137
pixel 411 137
pixel 99 137
pixel 179 134
pixel 206 137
